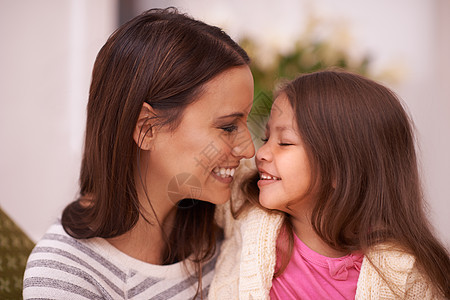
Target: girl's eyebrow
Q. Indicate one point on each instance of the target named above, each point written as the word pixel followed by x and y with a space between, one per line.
pixel 281 128
pixel 278 128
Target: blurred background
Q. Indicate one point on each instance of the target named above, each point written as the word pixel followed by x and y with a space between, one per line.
pixel 48 48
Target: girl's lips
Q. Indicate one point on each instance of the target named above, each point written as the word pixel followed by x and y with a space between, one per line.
pixel 264 182
pixel 263 174
pixel 266 178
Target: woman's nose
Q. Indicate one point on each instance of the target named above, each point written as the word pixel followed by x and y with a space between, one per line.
pixel 245 148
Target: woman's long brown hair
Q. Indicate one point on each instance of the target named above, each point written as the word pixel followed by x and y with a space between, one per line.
pixel 361 146
pixel 163 58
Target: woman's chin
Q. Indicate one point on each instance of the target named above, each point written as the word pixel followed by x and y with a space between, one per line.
pixel 218 198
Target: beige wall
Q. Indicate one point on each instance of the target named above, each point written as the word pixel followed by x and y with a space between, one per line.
pixel 46 56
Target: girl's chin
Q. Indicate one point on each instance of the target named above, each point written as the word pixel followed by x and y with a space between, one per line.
pixel 265 204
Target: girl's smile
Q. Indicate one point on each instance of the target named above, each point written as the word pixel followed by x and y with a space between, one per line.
pixel 266 178
pixel 282 162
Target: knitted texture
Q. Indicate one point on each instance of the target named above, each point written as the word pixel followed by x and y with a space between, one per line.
pixel 259 234
pixel 246 263
pixel 226 284
pixel 244 269
pixel 403 279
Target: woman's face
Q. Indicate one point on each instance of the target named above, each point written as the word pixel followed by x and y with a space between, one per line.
pixel 283 163
pixel 198 159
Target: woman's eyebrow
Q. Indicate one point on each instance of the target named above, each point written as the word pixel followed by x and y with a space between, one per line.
pixel 232 115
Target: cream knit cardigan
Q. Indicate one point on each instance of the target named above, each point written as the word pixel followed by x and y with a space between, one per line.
pixel 246 262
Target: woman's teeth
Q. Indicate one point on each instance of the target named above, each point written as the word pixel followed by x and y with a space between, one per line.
pixel 224 172
pixel 268 177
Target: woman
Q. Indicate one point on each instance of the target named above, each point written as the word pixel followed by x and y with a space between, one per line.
pixel 166 127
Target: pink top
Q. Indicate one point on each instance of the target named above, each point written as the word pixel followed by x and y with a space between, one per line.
pixel 310 275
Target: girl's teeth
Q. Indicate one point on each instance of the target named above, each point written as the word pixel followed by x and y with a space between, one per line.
pixel 224 172
pixel 268 177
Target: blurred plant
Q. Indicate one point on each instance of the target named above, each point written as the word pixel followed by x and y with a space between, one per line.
pixel 305 58
pixel 309 53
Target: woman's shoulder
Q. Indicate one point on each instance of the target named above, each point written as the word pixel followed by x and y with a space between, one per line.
pixel 60 264
pixel 57 247
pixel 54 242
pixel 57 243
pixel 63 267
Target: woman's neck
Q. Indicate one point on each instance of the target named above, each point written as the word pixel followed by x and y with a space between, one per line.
pixel 147 240
pixel 303 229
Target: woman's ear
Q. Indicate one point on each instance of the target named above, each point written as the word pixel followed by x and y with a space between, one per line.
pixel 143 133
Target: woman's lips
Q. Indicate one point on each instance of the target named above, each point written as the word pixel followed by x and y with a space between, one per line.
pixel 224 175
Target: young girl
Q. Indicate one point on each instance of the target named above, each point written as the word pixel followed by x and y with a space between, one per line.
pixel 165 125
pixel 339 163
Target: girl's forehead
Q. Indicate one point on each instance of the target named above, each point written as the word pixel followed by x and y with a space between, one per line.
pixel 281 115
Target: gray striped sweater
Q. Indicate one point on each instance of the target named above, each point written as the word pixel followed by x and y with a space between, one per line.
pixel 61 267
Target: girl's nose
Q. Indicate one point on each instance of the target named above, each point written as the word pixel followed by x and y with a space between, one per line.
pixel 264 153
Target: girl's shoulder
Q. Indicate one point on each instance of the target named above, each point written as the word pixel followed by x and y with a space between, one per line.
pixel 389 256
pixel 388 271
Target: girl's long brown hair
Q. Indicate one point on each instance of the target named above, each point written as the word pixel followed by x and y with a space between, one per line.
pixel 163 58
pixel 361 147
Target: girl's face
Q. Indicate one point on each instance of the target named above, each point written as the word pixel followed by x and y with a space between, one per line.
pixel 198 159
pixel 282 162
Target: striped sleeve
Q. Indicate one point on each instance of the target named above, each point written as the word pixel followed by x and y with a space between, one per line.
pixel 61 267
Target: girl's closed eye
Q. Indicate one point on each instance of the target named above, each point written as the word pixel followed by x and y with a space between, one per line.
pixel 281 143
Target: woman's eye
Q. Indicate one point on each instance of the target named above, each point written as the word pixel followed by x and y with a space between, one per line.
pixel 285 144
pixel 264 140
pixel 229 128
